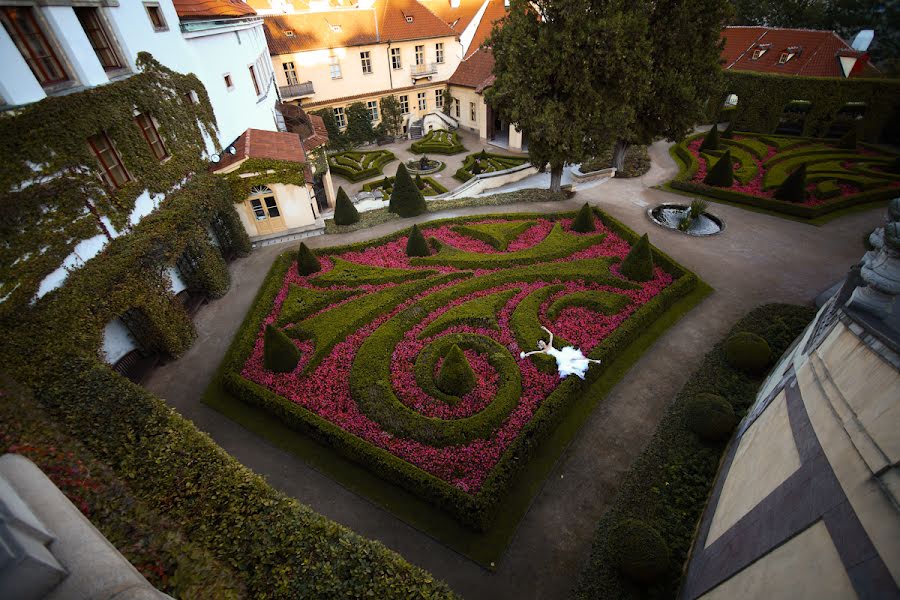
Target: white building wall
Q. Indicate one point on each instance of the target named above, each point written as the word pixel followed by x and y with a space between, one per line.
pixel 117 341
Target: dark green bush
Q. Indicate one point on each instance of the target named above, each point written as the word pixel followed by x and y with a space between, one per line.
pixel 406 199
pixel 419 183
pixel 476 169
pixel 710 416
pixel 638 265
pixel 848 140
pixel 722 173
pixel 729 131
pixel 793 188
pixel 584 221
pixel 279 352
pixel 483 155
pixel 711 140
pixel 417 245
pixel 307 263
pixel 456 376
pixel 344 211
pixel 747 352
pixel 638 550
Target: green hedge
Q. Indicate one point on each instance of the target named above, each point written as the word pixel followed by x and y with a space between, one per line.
pixel 489 163
pixel 432 187
pixel 668 484
pixel 438 141
pixel 358 166
pixel 476 511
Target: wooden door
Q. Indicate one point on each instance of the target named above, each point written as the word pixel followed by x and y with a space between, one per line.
pixel 265 212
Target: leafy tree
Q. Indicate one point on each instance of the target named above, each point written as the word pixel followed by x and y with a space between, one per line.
pixel 722 173
pixel 279 352
pixel 448 101
pixel 565 70
pixel 416 244
pixel 584 220
pixel 391 116
pixel 359 124
pixel 406 199
pixel 344 211
pixel 307 263
pixel 638 265
pixel 337 141
pixel 684 40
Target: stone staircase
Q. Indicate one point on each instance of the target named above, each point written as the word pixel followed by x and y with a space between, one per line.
pixel 415 129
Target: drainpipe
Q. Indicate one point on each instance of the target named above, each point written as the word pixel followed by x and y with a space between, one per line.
pixel 390 66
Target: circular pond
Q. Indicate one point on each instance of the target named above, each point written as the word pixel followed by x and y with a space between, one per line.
pixel 679 218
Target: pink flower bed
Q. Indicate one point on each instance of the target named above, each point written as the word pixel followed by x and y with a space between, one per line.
pixel 325 389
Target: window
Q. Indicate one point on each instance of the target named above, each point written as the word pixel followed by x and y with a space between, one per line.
pixel 366 62
pixel 288 33
pixel 456 106
pixel 228 83
pixel 439 52
pixel 758 53
pixel 255 82
pixel 340 118
pixel 404 105
pixel 334 68
pixel 24 30
pixel 785 56
pixel 190 98
pixel 148 128
pixel 395 59
pixel 112 170
pixel 156 17
pixel 372 105
pixel 290 73
pixel 472 114
pixel 439 99
pixel 93 27
pixel 423 102
pixel 420 55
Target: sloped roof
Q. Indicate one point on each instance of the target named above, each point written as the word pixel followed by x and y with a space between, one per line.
pixel 258 143
pixel 494 12
pixel 206 9
pixel 816 53
pixel 394 27
pixel 458 18
pixel 476 71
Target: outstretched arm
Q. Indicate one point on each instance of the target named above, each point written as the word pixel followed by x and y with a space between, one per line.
pixel 550 343
pixel 524 354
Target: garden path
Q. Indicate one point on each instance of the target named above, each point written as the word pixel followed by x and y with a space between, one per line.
pixel 758 258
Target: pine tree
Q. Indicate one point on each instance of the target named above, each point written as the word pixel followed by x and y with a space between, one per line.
pixel 307 263
pixel 391 116
pixel 793 188
pixel 359 125
pixel 416 244
pixel 344 211
pixel 279 352
pixel 711 141
pixel 406 199
pixel 722 173
pixel 456 376
pixel 638 265
pixel 584 221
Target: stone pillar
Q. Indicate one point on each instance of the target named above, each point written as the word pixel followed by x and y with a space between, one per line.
pixel 881 269
pixel 329 188
pixel 515 139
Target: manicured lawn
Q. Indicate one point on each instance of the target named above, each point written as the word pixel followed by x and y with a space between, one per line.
pixel 462 468
pixel 357 166
pixel 836 178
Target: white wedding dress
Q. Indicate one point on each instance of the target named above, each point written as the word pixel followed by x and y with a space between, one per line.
pixel 569 361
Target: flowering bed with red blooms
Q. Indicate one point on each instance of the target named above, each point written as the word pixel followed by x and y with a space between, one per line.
pixel 365 380
pixel 836 178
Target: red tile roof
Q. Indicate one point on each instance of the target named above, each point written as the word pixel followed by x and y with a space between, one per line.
pixel 258 143
pixel 476 71
pixel 394 24
pixel 457 18
pixel 206 9
pixel 816 53
pixel 494 12
pixel 320 133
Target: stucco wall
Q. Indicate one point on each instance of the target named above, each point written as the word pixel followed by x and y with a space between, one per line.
pixel 465 97
pixel 117 341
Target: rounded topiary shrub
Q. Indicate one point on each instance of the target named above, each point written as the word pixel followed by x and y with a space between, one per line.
pixel 455 376
pixel 709 416
pixel 747 352
pixel 638 550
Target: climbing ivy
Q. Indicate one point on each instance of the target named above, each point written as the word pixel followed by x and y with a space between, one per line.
pixel 264 171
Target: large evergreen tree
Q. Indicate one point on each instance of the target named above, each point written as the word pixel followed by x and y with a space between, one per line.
pixel 337 141
pixel 406 199
pixel 685 46
pixel 359 126
pixel 391 116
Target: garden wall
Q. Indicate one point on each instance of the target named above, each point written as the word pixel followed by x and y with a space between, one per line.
pixel 488 181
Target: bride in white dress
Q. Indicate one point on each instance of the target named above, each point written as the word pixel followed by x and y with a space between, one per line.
pixel 569 360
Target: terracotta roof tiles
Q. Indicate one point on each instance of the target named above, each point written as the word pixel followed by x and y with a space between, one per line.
pixel 258 143
pixel 476 71
pixel 206 9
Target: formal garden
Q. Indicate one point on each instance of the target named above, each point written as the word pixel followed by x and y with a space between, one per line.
pixel 796 176
pixel 405 355
pixel 438 141
pixel 486 162
pixel 359 166
pixel 427 185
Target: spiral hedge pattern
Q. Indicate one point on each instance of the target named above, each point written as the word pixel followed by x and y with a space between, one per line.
pixel 374 325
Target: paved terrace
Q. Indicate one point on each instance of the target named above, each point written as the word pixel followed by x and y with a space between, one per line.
pixel 757 259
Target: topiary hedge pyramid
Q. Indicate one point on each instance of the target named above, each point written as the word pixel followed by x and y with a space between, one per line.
pixel 307 263
pixel 711 141
pixel 344 211
pixel 455 377
pixel 416 244
pixel 638 265
pixel 722 173
pixel 584 221
pixel 793 188
pixel 279 352
pixel 406 199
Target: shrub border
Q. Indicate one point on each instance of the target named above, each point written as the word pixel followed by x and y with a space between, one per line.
pixel 376 167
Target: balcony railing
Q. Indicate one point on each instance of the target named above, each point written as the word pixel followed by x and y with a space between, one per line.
pixel 423 70
pixel 298 90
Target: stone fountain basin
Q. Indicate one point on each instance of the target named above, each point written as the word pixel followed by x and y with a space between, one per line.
pixel 669 215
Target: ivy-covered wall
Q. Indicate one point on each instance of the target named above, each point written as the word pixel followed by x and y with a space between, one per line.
pixel 763 96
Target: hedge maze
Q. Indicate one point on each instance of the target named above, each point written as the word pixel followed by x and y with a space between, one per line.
pixel 803 177
pixel 438 141
pixel 390 345
pixel 358 166
pixel 427 185
pixel 484 162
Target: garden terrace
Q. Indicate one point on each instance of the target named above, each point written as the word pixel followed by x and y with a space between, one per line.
pixel 429 187
pixel 365 384
pixel 438 141
pixel 836 178
pixel 358 166
pixel 483 162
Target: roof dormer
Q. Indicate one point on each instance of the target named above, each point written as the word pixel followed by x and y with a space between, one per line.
pixel 759 50
pixel 788 54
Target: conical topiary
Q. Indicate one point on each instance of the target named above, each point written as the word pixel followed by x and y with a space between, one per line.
pixel 279 352
pixel 729 131
pixel 848 141
pixel 307 263
pixel 419 183
pixel 722 173
pixel 483 155
pixel 584 221
pixel 344 211
pixel 638 265
pixel 711 141
pixel 416 245
pixel 406 199
pixel 455 377
pixel 793 188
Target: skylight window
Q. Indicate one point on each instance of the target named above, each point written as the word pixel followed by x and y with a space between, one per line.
pixel 288 33
pixel 409 19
